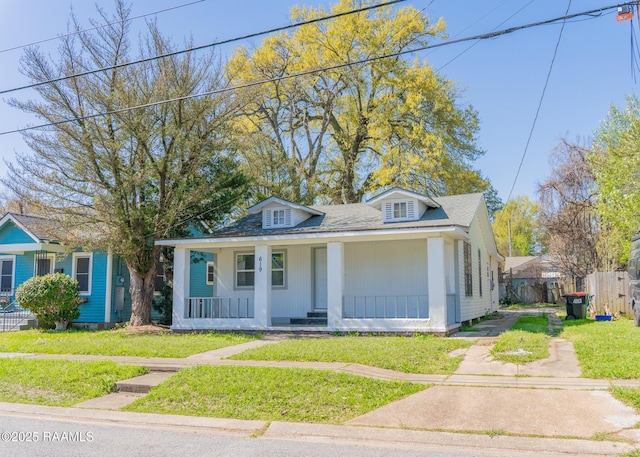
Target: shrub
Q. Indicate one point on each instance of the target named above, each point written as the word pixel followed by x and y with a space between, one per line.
pixel 51 298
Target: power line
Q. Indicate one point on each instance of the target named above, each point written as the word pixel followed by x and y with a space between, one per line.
pixel 101 26
pixel 204 46
pixel 544 90
pixel 489 35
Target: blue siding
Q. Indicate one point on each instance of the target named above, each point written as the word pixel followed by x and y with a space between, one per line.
pixel 198 278
pixel 11 234
pixel 93 310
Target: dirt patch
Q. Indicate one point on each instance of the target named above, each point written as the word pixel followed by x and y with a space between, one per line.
pixel 146 329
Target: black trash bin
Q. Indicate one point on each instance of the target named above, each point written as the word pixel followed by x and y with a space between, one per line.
pixel 577 303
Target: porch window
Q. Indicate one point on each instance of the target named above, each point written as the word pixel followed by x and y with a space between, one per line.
pixel 211 273
pixel 468 277
pixel 245 270
pixel 82 272
pixel 400 210
pixel 6 275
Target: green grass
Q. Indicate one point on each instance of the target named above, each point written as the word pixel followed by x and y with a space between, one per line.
pixel 59 382
pixel 422 354
pixel 116 342
pixel 525 342
pixel 605 350
pixel 290 394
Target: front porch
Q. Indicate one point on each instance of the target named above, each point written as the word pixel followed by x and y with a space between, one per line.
pixel 398 286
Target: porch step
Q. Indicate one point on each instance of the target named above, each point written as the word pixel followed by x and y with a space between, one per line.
pixel 317 314
pixel 319 321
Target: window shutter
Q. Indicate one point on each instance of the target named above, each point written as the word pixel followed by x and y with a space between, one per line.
pixel 411 211
pixel 287 217
pixel 267 218
pixel 388 211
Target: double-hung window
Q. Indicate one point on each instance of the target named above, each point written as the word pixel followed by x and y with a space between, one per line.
pixel 278 216
pixel 400 210
pixel 6 274
pixel 246 269
pixel 82 271
pixel 44 264
pixel 211 273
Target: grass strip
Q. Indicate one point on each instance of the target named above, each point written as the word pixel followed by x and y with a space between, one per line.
pixel 116 342
pixel 607 349
pixel 256 393
pixel 60 382
pixel 525 342
pixel 421 354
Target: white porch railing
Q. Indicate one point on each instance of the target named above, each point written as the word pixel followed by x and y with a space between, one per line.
pixel 219 308
pixel 386 307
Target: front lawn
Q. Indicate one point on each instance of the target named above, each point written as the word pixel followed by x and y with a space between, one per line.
pixel 59 382
pixel 289 394
pixel 116 342
pixel 605 350
pixel 420 354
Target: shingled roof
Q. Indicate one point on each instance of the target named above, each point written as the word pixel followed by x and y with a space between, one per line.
pixel 457 210
pixel 36 226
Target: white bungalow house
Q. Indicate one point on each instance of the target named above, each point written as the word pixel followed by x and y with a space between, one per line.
pixel 401 262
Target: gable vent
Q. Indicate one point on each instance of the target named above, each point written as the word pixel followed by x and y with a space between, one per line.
pixel 411 209
pixel 388 211
pixel 267 218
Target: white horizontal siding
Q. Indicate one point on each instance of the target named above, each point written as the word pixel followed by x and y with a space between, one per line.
pixel 396 268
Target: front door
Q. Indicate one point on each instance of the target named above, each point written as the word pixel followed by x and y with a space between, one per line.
pixel 320 279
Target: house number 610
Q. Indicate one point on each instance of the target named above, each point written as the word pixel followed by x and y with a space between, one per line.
pixel 260 263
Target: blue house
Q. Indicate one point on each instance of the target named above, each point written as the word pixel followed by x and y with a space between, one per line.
pixel 26 250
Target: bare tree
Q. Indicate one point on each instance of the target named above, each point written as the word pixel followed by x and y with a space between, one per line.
pixel 567 211
pixel 117 178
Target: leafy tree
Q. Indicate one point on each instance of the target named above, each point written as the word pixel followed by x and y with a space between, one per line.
pixel 116 178
pixel 341 133
pixel 52 299
pixel 526 237
pixel 567 211
pixel 615 158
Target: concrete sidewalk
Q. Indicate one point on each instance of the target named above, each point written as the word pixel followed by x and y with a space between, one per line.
pixel 544 407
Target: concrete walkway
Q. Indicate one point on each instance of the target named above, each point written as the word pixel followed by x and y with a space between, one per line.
pixel 541 406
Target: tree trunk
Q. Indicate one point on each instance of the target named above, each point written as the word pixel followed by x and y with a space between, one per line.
pixel 141 289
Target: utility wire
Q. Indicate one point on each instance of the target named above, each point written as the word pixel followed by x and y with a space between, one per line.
pixel 101 26
pixel 318 70
pixel 499 25
pixel 544 90
pixel 204 46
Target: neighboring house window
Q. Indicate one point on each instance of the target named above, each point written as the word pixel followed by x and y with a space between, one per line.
pixel 6 274
pixel 400 210
pixel 245 270
pixel 480 271
pixel 211 273
pixel 278 217
pixel 82 272
pixel 44 264
pixel 468 277
pixel 160 278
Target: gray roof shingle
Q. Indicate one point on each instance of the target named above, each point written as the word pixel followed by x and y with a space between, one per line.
pixel 35 225
pixel 456 210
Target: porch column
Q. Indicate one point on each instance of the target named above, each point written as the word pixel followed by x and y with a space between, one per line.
pixel 335 283
pixel 262 286
pixel 436 282
pixel 181 273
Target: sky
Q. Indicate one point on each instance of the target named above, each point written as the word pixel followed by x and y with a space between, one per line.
pixel 502 78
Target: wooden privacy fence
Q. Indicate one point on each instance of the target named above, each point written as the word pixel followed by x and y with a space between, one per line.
pixel 609 287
